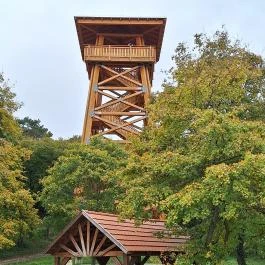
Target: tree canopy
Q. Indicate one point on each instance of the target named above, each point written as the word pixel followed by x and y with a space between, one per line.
pixel 78 181
pixel 199 162
pixel 33 128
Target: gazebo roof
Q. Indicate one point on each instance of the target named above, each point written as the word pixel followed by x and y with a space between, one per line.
pixel 103 234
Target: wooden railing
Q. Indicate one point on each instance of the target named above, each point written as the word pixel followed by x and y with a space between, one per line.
pixel 120 53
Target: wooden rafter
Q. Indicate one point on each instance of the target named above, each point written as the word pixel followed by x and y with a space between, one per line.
pixel 103 252
pixel 82 239
pixel 94 241
pixel 75 244
pixel 70 251
pixel 100 245
pixel 87 237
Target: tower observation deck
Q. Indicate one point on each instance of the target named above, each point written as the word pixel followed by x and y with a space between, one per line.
pixel 119 54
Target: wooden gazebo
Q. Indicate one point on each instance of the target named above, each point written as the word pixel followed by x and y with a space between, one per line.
pixel 103 236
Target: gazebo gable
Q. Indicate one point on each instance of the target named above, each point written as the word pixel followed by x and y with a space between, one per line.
pixel 84 237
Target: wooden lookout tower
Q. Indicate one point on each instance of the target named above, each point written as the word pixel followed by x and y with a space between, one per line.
pixel 119 54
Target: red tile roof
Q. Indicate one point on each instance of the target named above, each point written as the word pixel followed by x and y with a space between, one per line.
pixel 146 237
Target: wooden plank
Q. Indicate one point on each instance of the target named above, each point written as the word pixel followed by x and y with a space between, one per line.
pixel 88 238
pixel 118 21
pixel 113 253
pixel 116 260
pixel 94 241
pixel 119 88
pixel 120 113
pixel 70 251
pixel 82 239
pixel 75 244
pixel 57 260
pixel 101 253
pixel 125 259
pixel 99 245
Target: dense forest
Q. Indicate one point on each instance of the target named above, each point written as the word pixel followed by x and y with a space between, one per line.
pixel 200 162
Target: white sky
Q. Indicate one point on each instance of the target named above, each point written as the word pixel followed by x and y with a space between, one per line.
pixel 39 50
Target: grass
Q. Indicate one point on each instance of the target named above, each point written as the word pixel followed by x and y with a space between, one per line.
pixel 39 261
pixel 250 261
pixel 49 261
pixel 32 246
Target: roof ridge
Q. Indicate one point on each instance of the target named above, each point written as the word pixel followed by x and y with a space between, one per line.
pixel 116 215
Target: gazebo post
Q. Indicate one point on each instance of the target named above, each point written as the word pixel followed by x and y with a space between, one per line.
pixel 56 260
pixel 125 259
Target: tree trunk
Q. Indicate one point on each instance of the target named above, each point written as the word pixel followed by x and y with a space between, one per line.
pixel 240 251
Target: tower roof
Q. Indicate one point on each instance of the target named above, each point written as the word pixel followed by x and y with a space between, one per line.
pixel 151 28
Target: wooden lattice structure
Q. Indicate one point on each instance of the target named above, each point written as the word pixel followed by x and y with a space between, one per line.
pixel 119 54
pixel 103 237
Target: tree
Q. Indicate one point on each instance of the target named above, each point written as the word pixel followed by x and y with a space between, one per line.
pixel 77 181
pixel 7 97
pixel 9 128
pixel 193 162
pixel 33 128
pixel 17 214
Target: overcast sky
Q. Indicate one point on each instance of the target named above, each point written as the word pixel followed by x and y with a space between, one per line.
pixel 39 50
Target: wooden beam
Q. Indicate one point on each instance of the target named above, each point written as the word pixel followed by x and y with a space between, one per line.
pixel 101 253
pixel 94 242
pixel 57 260
pixel 65 260
pixel 88 237
pixel 116 261
pixel 125 259
pixel 82 239
pixel 136 88
pixel 120 113
pixel 107 34
pixel 118 21
pixel 122 74
pixel 113 253
pixel 119 100
pixel 75 244
pixel 99 245
pixel 117 74
pixel 115 124
pixel 73 253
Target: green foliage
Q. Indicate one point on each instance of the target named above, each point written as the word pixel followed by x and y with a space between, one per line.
pixel 44 153
pixel 77 181
pixel 17 215
pixel 200 161
pixel 7 97
pixel 9 128
pixel 33 128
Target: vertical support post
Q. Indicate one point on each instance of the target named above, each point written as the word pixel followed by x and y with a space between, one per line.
pixel 92 98
pixel 125 259
pixel 57 260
